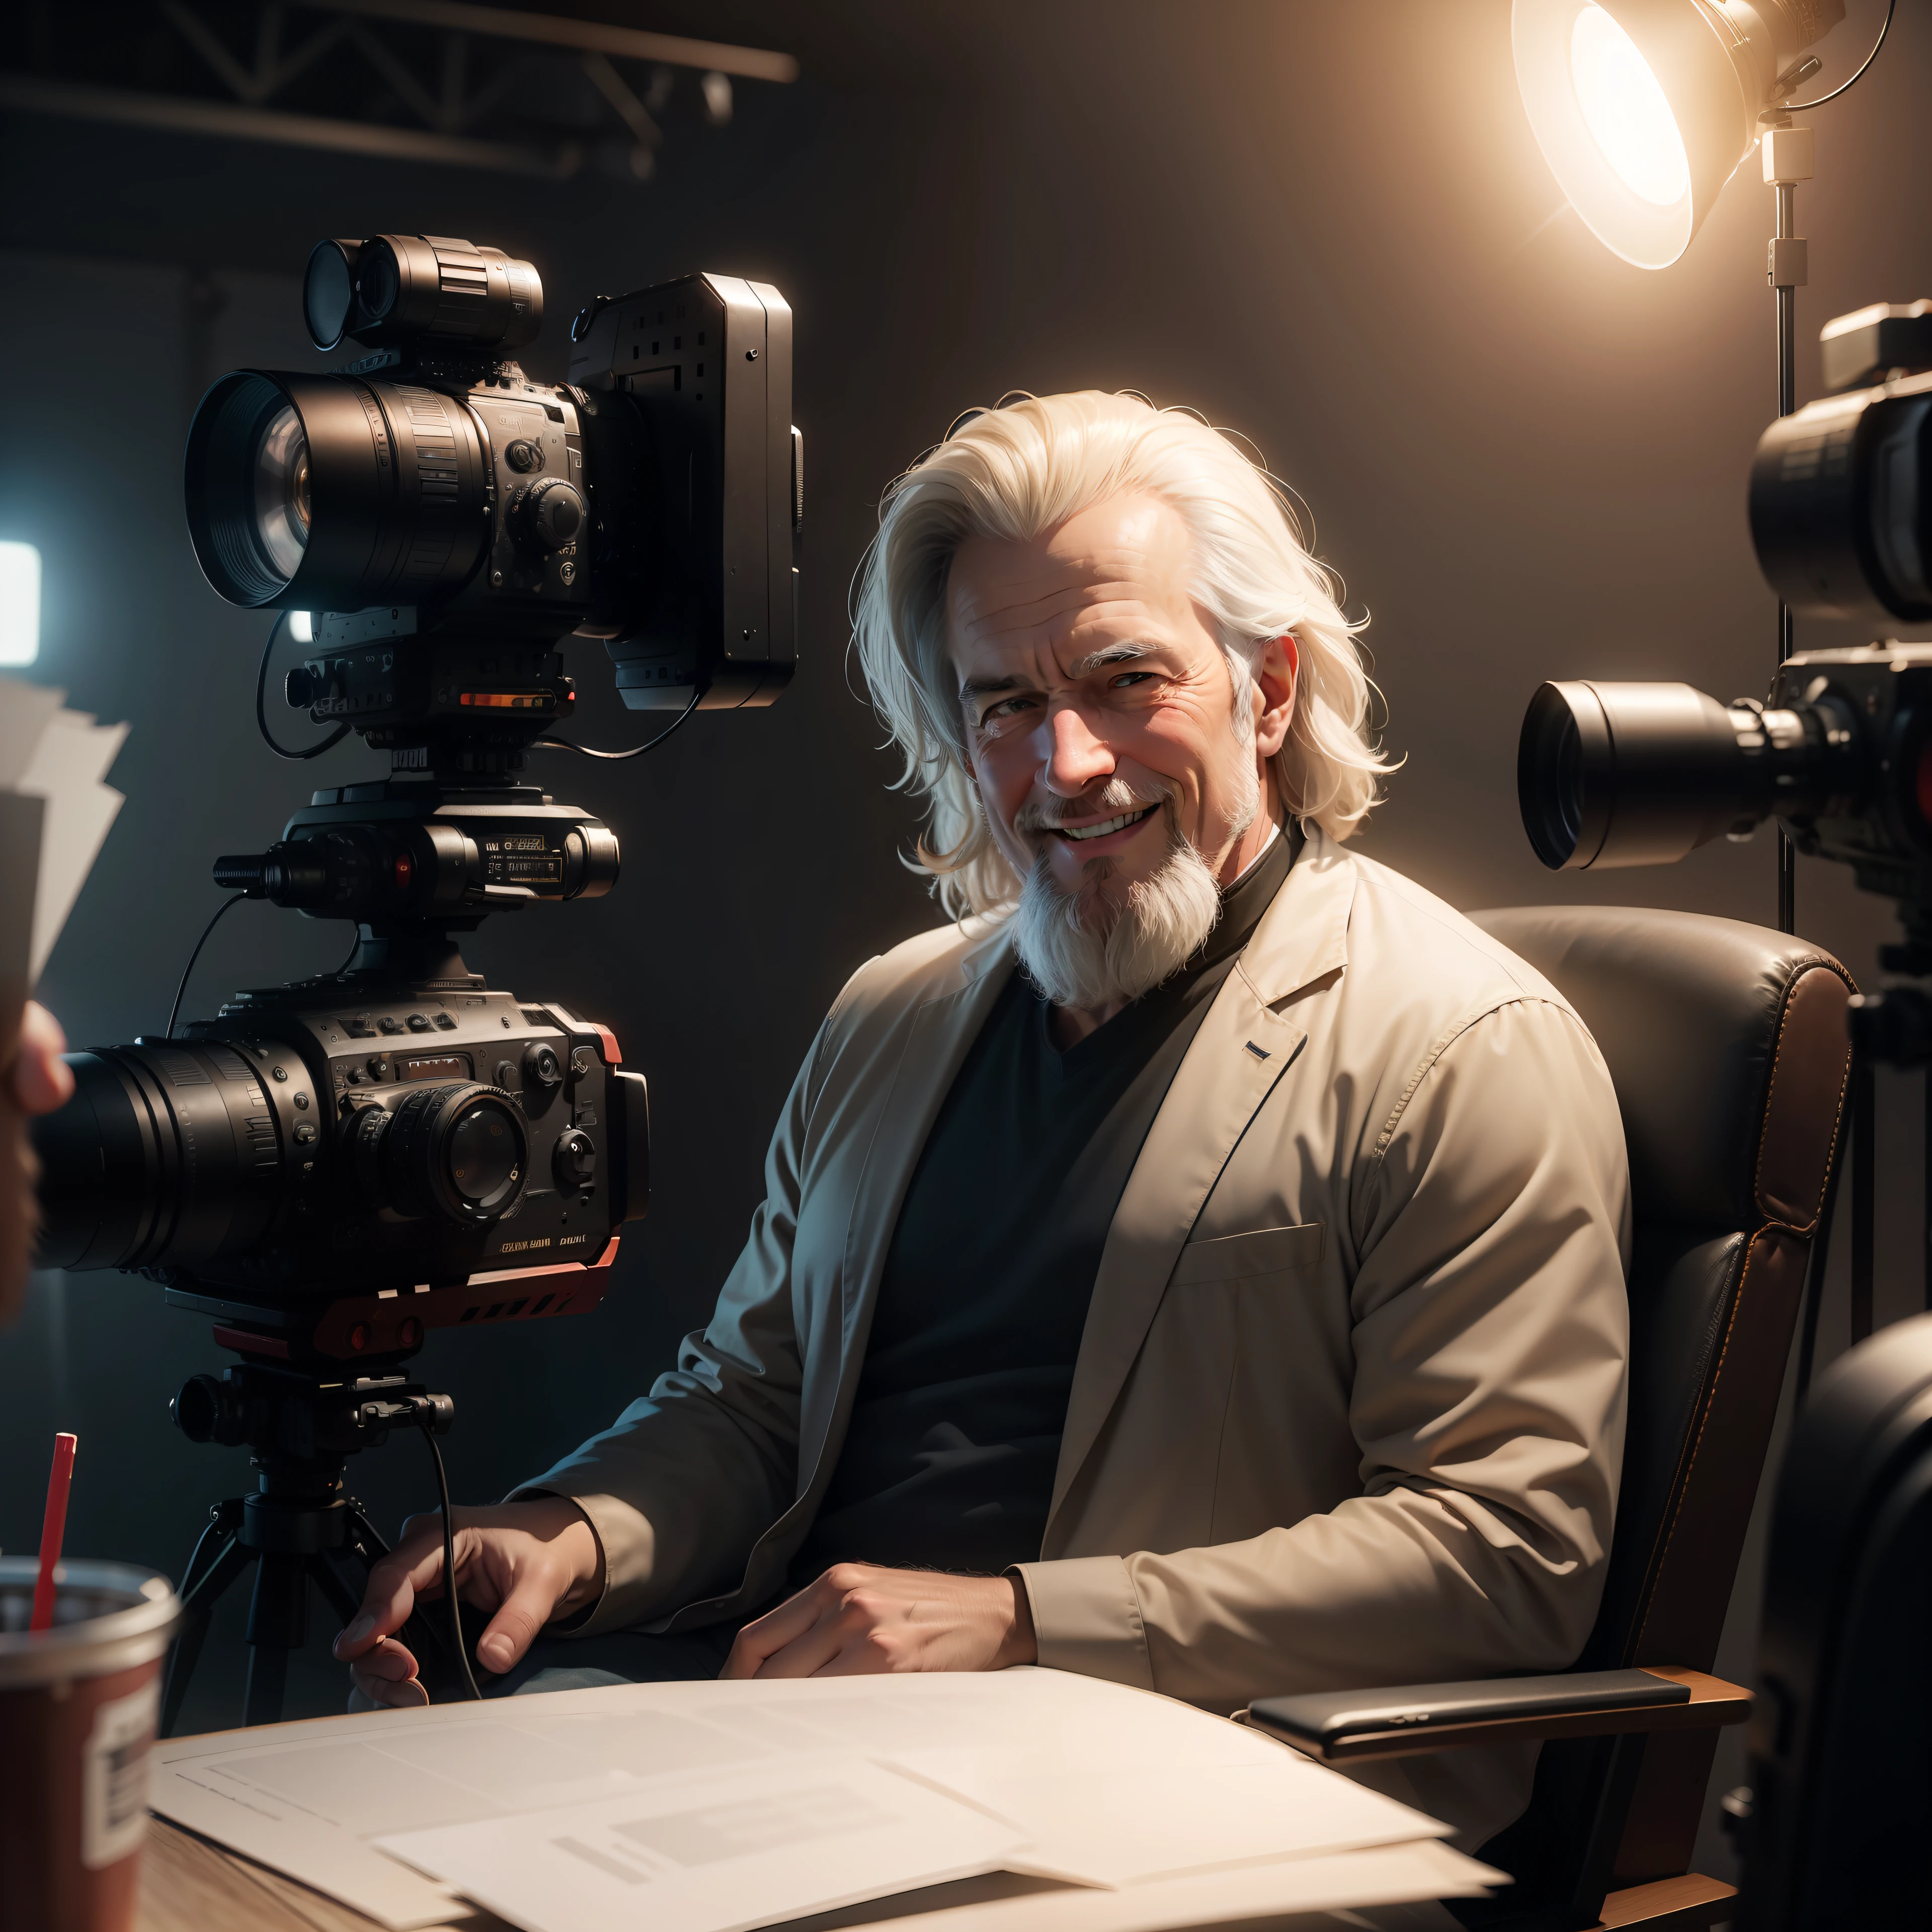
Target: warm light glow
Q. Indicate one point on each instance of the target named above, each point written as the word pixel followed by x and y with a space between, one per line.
pixel 19 603
pixel 1626 111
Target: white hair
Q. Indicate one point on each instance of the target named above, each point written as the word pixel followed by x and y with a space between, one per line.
pixel 1012 473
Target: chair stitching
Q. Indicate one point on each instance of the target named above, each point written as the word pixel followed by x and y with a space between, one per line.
pixel 1771 1088
pixel 1703 1423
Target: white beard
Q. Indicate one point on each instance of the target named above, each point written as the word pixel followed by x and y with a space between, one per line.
pixel 1082 952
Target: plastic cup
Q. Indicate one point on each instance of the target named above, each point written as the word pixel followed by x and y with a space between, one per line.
pixel 78 1708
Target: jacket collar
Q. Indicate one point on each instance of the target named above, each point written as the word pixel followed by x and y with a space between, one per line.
pixel 1304 935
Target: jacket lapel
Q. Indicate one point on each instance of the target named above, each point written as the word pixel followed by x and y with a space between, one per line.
pixel 1244 1045
pixel 936 1041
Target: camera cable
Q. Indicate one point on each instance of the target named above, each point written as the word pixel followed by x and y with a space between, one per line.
pixel 636 751
pixel 174 1011
pixel 425 1420
pixel 321 745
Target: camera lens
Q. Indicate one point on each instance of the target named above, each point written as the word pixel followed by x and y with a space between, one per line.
pixel 328 291
pixel 457 1151
pixel 1841 513
pixel 483 1156
pixel 379 284
pixel 1641 774
pixel 281 492
pixel 322 493
pixel 165 1156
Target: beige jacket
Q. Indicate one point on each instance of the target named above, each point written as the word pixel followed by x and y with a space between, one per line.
pixel 1348 1409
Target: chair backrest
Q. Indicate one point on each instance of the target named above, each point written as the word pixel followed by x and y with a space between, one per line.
pixel 1728 1047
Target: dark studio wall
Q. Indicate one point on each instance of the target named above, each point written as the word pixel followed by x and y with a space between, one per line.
pixel 1326 226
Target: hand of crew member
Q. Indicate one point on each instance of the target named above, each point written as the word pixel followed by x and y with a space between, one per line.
pixel 530 1562
pixel 858 1619
pixel 36 1082
pixel 41 1080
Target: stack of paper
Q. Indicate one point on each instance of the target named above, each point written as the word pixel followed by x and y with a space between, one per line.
pixel 718 1807
pixel 54 811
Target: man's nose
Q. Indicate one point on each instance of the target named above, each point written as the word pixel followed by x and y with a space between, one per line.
pixel 1075 757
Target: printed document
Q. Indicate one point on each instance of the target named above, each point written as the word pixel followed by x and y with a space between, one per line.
pixel 716 1802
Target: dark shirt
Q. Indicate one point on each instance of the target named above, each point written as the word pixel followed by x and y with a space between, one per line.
pixel 949 1462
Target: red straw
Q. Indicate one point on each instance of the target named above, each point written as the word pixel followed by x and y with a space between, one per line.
pixel 53 1529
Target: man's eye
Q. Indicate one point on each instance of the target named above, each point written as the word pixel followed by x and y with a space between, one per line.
pixel 1007 708
pixel 1130 677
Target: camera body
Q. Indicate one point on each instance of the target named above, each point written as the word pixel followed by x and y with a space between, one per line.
pixel 332 1169
pixel 1840 751
pixel 450 1155
pixel 443 522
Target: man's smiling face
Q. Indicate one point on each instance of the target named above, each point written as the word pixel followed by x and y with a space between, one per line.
pixel 1098 708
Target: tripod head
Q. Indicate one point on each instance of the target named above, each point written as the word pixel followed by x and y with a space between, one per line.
pixel 299 1525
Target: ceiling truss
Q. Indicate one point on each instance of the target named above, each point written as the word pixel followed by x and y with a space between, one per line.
pixel 439 80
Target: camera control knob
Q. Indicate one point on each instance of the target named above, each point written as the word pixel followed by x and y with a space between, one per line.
pixel 542 1070
pixel 553 513
pixel 523 456
pixel 207 1410
pixel 574 1162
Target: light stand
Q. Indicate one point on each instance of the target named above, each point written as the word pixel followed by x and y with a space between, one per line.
pixel 1788 152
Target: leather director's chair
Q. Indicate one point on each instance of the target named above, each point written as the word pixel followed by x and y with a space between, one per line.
pixel 1729 1052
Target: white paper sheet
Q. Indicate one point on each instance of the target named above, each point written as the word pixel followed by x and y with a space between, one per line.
pixel 25 709
pixel 66 769
pixel 721 1852
pixel 311 1798
pixel 1388 1875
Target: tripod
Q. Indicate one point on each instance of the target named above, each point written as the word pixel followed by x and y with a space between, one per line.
pixel 299 1526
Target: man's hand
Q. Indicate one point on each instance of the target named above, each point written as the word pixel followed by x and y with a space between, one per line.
pixel 530 1562
pixel 858 1619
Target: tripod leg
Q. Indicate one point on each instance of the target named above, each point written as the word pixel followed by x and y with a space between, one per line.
pixel 267 1673
pixel 278 1623
pixel 198 1603
pixel 423 1637
pixel 342 1595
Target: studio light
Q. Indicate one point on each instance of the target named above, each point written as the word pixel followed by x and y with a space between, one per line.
pixel 1644 108
pixel 19 603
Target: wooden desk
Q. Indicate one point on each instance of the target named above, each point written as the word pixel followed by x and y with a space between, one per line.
pixel 189 1885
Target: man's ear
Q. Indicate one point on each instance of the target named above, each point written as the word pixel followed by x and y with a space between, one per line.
pixel 1277 673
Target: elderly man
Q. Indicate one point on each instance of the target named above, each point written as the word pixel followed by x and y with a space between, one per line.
pixel 1200 1264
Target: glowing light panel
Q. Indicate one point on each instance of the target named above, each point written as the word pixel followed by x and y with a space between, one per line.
pixel 1626 111
pixel 19 603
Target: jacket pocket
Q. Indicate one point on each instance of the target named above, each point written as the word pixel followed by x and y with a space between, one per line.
pixel 1267 1251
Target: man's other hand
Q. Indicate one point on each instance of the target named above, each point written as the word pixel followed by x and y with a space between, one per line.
pixel 858 1619
pixel 529 1562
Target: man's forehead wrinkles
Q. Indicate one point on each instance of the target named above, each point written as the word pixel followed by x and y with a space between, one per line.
pixel 1032 628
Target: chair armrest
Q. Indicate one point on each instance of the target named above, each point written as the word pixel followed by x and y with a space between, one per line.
pixel 1349 1726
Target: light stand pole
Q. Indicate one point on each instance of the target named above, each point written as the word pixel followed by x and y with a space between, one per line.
pixel 1788 156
